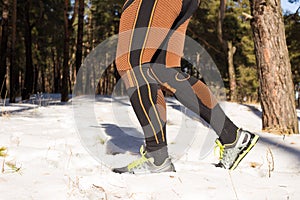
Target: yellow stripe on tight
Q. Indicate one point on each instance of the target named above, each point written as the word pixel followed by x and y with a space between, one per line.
pixel 148 85
pixel 137 84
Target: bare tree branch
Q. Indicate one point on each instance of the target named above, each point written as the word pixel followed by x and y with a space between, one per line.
pixel 247 16
pixel 204 41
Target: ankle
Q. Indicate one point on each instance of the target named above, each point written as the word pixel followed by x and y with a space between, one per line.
pixel 159 155
pixel 230 139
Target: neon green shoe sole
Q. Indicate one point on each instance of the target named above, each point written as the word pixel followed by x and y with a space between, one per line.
pixel 232 154
pixel 244 152
pixel 145 165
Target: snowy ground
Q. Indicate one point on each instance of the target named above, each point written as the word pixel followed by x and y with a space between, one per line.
pixel 48 160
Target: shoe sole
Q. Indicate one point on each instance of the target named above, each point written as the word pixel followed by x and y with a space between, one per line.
pixel 245 152
pixel 124 170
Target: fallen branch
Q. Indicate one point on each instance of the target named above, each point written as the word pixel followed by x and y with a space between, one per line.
pixel 247 16
pixel 270 159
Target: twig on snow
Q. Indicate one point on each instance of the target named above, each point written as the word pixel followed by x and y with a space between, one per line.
pixel 270 159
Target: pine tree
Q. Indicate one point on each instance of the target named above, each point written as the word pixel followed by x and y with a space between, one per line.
pixel 14 84
pixel 79 35
pixel 276 86
pixel 292 22
pixel 3 48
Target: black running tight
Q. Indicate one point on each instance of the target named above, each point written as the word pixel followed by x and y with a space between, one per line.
pixel 150 47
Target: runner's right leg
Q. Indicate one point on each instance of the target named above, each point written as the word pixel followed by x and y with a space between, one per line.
pixel 143 27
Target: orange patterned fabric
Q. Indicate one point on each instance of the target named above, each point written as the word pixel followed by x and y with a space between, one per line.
pixel 204 94
pixel 127 24
pixel 164 14
pixel 176 45
pixel 161 105
pixel 127 78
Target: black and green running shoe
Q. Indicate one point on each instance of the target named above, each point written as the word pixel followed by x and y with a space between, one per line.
pixel 232 154
pixel 145 165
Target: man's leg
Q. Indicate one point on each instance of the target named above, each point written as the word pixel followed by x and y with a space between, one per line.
pixel 196 96
pixel 144 26
pixel 191 92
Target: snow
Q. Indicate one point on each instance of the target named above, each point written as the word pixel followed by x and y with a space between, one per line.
pixel 55 163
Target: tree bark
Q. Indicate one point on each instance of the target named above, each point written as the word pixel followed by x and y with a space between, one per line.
pixel 276 86
pixel 56 71
pixel 64 90
pixel 231 71
pixel 3 48
pixel 28 84
pixel 79 35
pixel 36 77
pixel 228 49
pixel 79 43
pixel 43 78
pixel 14 71
pixel 221 18
pixel 68 29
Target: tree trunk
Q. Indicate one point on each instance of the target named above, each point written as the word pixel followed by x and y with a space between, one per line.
pixel 221 18
pixel 90 32
pixel 79 35
pixel 231 71
pixel 79 43
pixel 56 75
pixel 228 50
pixel 14 71
pixel 3 48
pixel 64 90
pixel 276 86
pixel 36 78
pixel 28 84
pixel 43 78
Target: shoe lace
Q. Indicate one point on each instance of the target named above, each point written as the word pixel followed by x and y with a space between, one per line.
pixel 137 163
pixel 221 149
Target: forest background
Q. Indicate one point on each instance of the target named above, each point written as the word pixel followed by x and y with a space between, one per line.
pixel 43 44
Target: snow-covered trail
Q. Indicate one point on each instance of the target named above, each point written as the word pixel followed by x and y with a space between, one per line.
pixel 55 164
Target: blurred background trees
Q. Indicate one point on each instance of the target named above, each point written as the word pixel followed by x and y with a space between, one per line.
pixel 43 44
